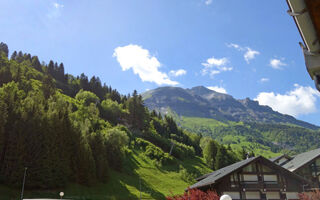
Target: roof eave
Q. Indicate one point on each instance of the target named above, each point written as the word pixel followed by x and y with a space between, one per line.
pixel 300 13
pixel 306 163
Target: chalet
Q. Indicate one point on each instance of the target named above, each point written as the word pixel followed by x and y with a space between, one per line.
pixel 254 178
pixel 306 165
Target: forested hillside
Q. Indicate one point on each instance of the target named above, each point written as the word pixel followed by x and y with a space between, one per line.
pixel 238 123
pixel 75 130
pixel 263 139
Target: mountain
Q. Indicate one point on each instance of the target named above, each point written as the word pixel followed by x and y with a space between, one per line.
pixel 205 103
pixel 242 124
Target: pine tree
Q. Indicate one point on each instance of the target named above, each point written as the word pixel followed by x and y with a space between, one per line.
pixel 51 68
pixel 36 63
pixel 222 158
pixel 61 73
pixel 209 151
pixel 84 84
pixel 14 55
pixel 137 112
pixel 243 154
pixel 20 57
pixel 4 49
pixel 48 87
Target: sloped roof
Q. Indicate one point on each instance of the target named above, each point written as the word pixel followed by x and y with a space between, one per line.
pixel 301 159
pixel 219 174
pixel 276 158
pixel 211 178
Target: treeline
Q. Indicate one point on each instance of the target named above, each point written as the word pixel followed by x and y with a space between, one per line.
pixel 295 138
pixel 280 138
pixel 72 129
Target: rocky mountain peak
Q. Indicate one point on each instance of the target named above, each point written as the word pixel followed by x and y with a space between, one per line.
pixel 202 102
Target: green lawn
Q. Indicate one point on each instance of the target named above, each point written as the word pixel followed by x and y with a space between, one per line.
pixel 156 182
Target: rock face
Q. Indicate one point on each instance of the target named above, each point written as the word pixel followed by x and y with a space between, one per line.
pixel 201 102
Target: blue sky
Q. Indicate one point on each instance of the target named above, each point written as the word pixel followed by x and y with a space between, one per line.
pixel 246 48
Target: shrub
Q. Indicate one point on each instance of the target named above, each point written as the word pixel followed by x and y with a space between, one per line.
pixel 116 141
pixel 186 175
pixel 195 194
pixel 86 97
pixel 156 139
pixel 153 152
pixel 141 143
pixel 112 111
pixel 181 150
pixel 315 195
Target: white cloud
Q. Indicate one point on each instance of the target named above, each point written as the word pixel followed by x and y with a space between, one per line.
pixel 276 63
pixel 218 89
pixel 208 2
pixel 236 46
pixel 179 72
pixel 142 63
pixel 57 5
pixel 263 80
pixel 300 100
pixel 215 62
pixel 55 10
pixel 215 66
pixel 249 54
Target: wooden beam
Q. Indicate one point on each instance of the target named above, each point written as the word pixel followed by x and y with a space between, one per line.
pixel 313 7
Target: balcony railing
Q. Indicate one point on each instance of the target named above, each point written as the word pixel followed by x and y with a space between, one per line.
pixel 257 184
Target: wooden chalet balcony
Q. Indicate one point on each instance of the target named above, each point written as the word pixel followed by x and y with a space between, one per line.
pixel 271 185
pixel 251 184
pixel 258 184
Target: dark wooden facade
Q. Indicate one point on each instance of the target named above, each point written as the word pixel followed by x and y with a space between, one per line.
pixel 311 171
pixel 260 179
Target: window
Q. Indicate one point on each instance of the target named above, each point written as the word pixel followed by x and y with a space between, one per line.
pixel 271 179
pixel 250 178
pixel 282 160
pixel 252 195
pixel 318 162
pixel 292 195
pixel 234 177
pixel 234 180
pixel 273 195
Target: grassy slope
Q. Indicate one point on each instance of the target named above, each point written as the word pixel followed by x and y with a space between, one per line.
pixel 194 122
pixel 236 142
pixel 156 182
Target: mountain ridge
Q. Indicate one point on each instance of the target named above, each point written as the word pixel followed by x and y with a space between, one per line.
pixel 200 101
